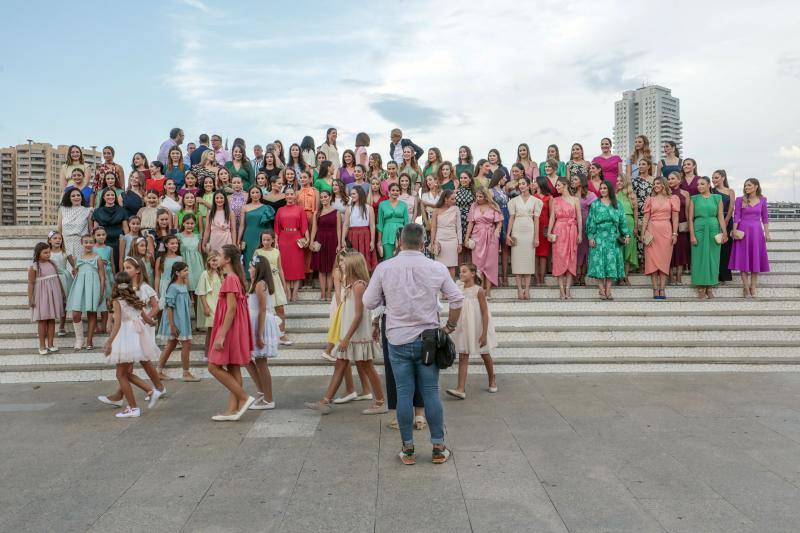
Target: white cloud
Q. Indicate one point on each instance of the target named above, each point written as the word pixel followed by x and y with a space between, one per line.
pixel 197 4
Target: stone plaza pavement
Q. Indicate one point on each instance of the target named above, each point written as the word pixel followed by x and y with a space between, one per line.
pixel 704 452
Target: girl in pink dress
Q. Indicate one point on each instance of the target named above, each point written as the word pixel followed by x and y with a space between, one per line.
pixel 220 228
pixel 231 336
pixel 485 221
pixel 45 297
pixel 291 230
pixel 564 231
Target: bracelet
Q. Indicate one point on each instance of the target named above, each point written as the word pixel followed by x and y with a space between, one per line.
pixel 450 325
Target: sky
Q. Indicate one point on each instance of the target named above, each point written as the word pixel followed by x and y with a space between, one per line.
pixel 485 74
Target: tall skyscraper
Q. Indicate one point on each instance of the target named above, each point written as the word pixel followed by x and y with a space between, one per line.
pixel 651 111
pixel 30 191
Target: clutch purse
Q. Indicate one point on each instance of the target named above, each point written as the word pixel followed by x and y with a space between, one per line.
pixel 315 246
pixel 718 238
pixel 435 248
pixel 552 237
pixel 301 243
pixel 512 241
pixel 683 227
pixel 737 235
pixel 470 244
pixel 647 238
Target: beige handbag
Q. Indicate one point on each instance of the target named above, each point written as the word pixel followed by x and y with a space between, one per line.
pixel 737 235
pixel 647 238
pixel 552 237
pixel 469 244
pixel 315 246
pixel 683 227
pixel 718 238
pixel 301 243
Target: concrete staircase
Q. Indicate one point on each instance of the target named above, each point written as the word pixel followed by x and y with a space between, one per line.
pixel 631 333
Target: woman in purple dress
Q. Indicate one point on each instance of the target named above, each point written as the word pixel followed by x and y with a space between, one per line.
pixel 610 163
pixel 325 237
pixel 750 236
pixel 682 250
pixel 689 176
pixel 579 187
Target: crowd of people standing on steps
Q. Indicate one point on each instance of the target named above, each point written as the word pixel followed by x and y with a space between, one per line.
pixel 216 240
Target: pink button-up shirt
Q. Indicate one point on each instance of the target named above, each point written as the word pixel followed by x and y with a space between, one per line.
pixel 408 286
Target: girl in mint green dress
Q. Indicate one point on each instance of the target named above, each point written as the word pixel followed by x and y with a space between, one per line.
pixel 705 222
pixel 106 254
pixel 604 227
pixel 164 267
pixel 87 291
pixel 190 250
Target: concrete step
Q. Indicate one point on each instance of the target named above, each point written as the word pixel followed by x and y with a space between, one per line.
pixel 525 337
pixel 508 322
pixel 729 290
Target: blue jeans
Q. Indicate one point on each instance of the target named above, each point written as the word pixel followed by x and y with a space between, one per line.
pixel 410 375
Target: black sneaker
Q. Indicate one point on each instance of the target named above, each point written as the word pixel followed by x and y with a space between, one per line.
pixel 440 455
pixel 408 456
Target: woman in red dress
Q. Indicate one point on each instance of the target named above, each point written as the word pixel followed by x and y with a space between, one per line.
pixel 231 337
pixel 291 230
pixel 541 190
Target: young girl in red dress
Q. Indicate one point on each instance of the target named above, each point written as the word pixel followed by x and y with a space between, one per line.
pixel 231 337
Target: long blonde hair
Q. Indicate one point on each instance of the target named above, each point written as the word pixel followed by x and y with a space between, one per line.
pixel 355 268
pixel 489 198
pixel 661 179
pixel 627 188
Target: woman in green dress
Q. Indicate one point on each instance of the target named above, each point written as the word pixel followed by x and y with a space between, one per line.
pixel 256 217
pixel 605 227
pixel 706 220
pixel 392 215
pixel 626 198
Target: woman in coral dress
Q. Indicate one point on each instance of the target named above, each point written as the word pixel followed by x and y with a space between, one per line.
pixel 485 222
pixel 291 230
pixel 660 228
pixel 565 232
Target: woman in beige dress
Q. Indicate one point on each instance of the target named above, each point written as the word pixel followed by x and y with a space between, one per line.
pixel 523 235
pixel 446 231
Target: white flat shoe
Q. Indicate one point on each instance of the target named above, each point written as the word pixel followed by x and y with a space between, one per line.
pixel 129 413
pixel 154 397
pixel 115 403
pixel 328 357
pixel 364 397
pixel 261 405
pixel 244 408
pixel 52 349
pixel 43 352
pixel 223 418
pixel 492 389
pixel 456 394
pixel 346 399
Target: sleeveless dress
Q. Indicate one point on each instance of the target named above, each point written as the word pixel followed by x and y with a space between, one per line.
pixel 190 251
pixel 501 199
pixel 134 341
pixel 449 236
pixel 682 251
pixel 630 254
pixel 47 297
pixel 220 233
pixel 358 235
pixel 543 250
pixel 464 200
pixel 290 226
pixel 666 169
pixel 725 249
pixel 361 347
pixel 59 259
pixel 523 254
pixel 106 253
pixel 272 332
pixel 565 247
pixel 705 254
pixel 470 325
pixel 487 246
pixel 238 343
pixel 85 295
pixel 176 298
pixel 643 190
pixel 273 256
pixel 323 259
pixel 658 253
pixel 604 225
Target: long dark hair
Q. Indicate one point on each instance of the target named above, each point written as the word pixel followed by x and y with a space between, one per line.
pixel 212 211
pixel 325 169
pixel 362 201
pixel 307 144
pixel 123 290
pixel 168 239
pixel 447 193
pixel 231 251
pixel 612 194
pixel 263 272
pixel 544 186
pixel 37 251
pixel 177 268
pixel 300 162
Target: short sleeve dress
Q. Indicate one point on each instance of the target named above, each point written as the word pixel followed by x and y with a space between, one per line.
pixel 177 299
pixel 470 325
pixel 238 345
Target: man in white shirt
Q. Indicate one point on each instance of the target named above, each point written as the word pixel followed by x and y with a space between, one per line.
pixel 175 139
pixel 220 154
pixel 258 160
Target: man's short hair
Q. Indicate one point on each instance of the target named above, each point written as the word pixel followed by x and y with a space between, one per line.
pixel 396 131
pixel 203 138
pixel 174 132
pixel 412 236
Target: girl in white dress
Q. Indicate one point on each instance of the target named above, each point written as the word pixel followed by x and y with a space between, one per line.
pixel 266 330
pixel 474 332
pixel 129 340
